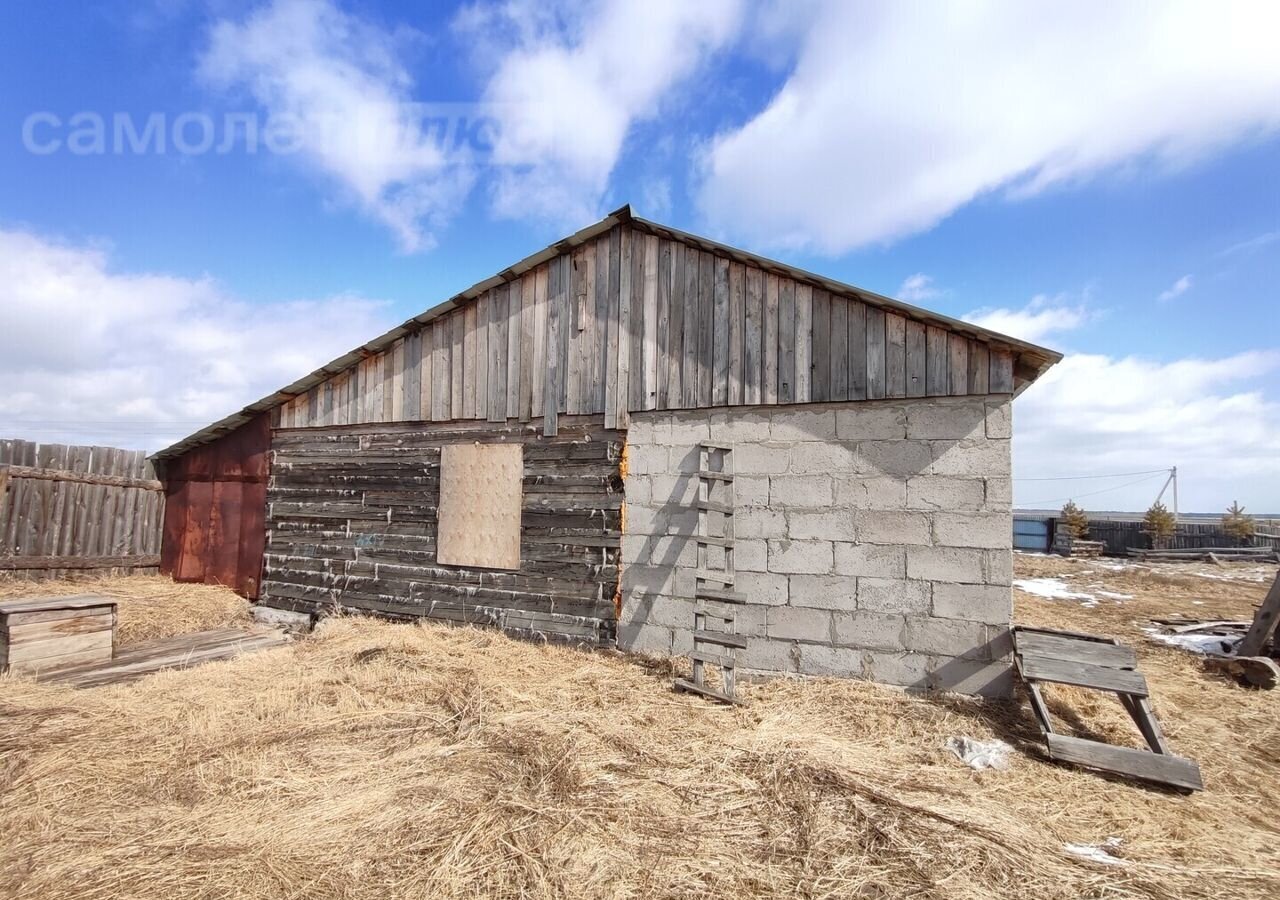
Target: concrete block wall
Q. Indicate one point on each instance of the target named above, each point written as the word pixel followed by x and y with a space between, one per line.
pixel 872 538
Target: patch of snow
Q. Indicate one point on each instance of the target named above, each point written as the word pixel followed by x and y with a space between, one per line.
pixel 1054 589
pixel 1257 575
pixel 1099 853
pixel 980 754
pixel 1204 644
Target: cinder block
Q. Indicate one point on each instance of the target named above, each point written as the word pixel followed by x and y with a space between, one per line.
pixel 870 630
pixel 737 426
pixel 759 522
pixel 871 492
pixel 989 603
pixel 978 458
pixel 679 551
pixel 999 495
pixel 673 489
pixel 639 580
pixel 764 655
pixel 669 612
pixel 762 459
pixel 946 493
pixel 645 520
pixel 950 419
pixel 893 595
pixel 832 662
pixel 750 555
pixel 800 491
pixel 814 458
pixel 801 424
pixel 961 565
pixel 823 524
pixel 647 459
pixel 684 459
pixel 789 623
pixel 871 560
pixel 999 567
pixel 871 422
pixel 689 428
pixel 999 419
pixel 751 490
pixel 989 530
pixel 640 430
pixel 908 670
pixel 948 637
pixel 800 557
pixel 764 588
pixel 966 676
pixel 637 488
pixel 896 458
pixel 636 548
pixel 893 527
pixel 824 592
pixel 289 619
pixel 640 638
pixel 749 620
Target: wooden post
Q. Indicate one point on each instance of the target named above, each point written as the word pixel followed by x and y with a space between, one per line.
pixel 1264 623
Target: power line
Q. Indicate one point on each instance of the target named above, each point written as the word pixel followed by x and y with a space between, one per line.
pixel 1095 493
pixel 1085 477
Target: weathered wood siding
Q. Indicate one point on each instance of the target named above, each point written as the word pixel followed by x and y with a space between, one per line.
pixel 216 497
pixel 352 524
pixel 67 509
pixel 634 320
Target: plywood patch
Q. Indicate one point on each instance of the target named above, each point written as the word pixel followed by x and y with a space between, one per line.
pixel 480 494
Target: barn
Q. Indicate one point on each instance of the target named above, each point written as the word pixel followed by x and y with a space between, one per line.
pixel 639 438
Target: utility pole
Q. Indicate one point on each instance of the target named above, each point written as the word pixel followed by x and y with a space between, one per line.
pixel 1173 474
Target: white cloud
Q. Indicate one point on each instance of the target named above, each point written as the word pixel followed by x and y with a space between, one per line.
pixel 341 81
pixel 897 114
pixel 89 354
pixel 1252 244
pixel 1094 414
pixel 570 81
pixel 917 288
pixel 1177 289
pixel 1042 317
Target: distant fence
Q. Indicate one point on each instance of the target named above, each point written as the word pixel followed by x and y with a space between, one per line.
pixel 1036 533
pixel 81 510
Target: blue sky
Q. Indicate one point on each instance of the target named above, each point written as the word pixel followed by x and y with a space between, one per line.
pixel 1101 179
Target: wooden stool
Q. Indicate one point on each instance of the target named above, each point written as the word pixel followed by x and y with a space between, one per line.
pixel 42 634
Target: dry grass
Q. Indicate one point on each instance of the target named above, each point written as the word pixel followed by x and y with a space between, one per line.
pixel 148 606
pixel 380 760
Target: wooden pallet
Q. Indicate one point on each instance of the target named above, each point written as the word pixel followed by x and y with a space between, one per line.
pixel 714 597
pixel 1047 656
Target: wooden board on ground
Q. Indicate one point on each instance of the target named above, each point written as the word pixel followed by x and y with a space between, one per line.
pixel 41 634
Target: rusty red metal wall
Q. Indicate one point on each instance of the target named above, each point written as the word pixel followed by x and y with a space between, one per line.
pixel 215 510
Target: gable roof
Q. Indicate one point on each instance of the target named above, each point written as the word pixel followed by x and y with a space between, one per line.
pixel 1029 360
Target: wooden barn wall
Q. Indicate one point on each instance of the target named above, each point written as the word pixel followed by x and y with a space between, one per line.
pixel 352 524
pixel 632 321
pixel 214 530
pixel 75 509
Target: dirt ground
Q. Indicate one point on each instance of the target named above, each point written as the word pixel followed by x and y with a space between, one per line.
pixel 382 760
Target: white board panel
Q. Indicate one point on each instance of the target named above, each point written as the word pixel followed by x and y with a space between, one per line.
pixel 480 494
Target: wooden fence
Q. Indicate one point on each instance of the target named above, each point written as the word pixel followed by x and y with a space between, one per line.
pixel 1036 533
pixel 67 510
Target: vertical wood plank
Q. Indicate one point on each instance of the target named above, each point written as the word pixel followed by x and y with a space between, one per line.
pixel 916 357
pixel 840 352
pixel 625 273
pixel 615 339
pixel 590 343
pixel 515 314
pixel 856 342
pixel 426 339
pixel 692 320
pixel 480 370
pixel 457 362
pixel 663 361
pixel 529 373
pixel 820 347
pixel 652 324
pixel 720 332
pixel 804 342
pixel 706 326
pixel 566 325
pixel 499 311
pixel 575 332
pixel 737 333
pixel 786 340
pixel 753 336
pixel 958 364
pixel 442 374
pixel 412 377
pixel 937 361
pixel 635 392
pixel 469 361
pixel 600 356
pixel 895 355
pixel 397 381
pixel 769 393
pixel 675 360
pixel 1001 377
pixel 979 367
pixel 554 373
pixel 538 375
pixel 875 353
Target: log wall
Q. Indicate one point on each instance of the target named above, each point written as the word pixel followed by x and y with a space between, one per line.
pixel 641 319
pixel 351 524
pixel 76 509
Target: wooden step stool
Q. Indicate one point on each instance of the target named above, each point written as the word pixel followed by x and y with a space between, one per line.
pixel 43 634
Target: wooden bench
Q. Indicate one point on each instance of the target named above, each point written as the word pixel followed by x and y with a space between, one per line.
pixel 1047 656
pixel 44 634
